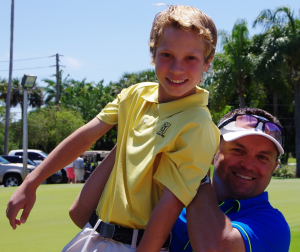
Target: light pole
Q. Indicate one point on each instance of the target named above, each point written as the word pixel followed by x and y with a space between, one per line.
pixel 28 81
pixel 5 147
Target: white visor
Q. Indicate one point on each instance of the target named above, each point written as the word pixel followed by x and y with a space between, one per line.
pixel 230 132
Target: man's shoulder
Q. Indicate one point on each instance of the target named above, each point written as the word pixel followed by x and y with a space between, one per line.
pixel 261 224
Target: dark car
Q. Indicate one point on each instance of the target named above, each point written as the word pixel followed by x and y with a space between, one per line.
pixel 55 178
pixel 17 159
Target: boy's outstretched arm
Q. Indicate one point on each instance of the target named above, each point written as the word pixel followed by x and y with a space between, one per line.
pixel 87 200
pixel 161 222
pixel 66 152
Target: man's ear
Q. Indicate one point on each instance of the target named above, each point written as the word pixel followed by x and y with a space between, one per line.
pixel 276 164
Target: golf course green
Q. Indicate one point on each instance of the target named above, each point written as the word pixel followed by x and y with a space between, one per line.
pixel 49 227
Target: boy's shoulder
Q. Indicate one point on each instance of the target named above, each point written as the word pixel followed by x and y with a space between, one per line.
pixel 199 115
pixel 141 85
pixel 139 89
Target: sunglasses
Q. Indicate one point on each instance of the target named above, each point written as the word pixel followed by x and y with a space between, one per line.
pixel 252 121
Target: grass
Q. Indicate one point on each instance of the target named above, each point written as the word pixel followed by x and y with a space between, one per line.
pixel 49 227
pixel 284 195
pixel 292 160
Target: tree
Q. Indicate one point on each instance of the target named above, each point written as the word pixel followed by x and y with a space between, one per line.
pixel 268 70
pixel 232 68
pixel 49 126
pixel 283 20
pixel 11 143
pixel 50 90
pixel 35 94
pixel 129 79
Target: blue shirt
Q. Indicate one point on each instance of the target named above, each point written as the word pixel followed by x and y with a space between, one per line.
pixel 262 227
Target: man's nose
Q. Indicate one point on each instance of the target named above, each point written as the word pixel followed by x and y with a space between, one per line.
pixel 247 162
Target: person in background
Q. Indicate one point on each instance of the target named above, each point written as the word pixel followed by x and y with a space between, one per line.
pixel 78 165
pixel 70 173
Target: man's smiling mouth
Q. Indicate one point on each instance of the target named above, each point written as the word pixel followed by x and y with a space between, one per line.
pixel 242 176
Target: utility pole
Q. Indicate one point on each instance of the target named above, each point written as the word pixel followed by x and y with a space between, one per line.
pixel 57 75
pixel 5 148
pixel 57 80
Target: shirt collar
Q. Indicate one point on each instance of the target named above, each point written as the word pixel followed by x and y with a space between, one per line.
pixel 230 206
pixel 174 107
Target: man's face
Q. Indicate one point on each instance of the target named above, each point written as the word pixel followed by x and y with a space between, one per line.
pixel 243 167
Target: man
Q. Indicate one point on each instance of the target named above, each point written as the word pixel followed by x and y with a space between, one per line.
pixel 237 216
pixel 78 165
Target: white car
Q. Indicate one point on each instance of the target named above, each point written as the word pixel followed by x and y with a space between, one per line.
pixel 36 156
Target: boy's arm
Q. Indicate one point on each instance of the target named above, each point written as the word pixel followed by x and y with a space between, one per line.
pixel 161 222
pixel 66 152
pixel 87 200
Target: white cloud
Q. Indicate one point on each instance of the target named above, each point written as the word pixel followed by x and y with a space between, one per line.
pixel 71 62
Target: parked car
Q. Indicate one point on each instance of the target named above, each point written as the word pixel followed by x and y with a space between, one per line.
pixel 11 174
pixel 55 178
pixel 18 159
pixel 38 156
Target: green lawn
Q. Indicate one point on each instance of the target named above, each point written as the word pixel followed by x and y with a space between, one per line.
pixel 49 227
pixel 292 160
pixel 284 195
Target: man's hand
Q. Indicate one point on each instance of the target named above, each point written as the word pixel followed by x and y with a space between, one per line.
pixel 22 198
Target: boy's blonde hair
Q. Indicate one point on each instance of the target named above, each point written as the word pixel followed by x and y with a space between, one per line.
pixel 187 18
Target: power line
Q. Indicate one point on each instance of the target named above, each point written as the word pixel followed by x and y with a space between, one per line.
pixel 24 68
pixel 71 70
pixel 28 59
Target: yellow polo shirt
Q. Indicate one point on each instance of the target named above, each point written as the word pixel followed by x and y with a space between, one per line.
pixel 169 144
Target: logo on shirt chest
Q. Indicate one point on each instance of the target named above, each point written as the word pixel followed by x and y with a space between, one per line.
pixel 163 129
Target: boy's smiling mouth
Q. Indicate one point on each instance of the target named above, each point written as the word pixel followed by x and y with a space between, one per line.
pixel 176 81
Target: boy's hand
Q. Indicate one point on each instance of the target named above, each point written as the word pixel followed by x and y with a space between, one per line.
pixel 22 198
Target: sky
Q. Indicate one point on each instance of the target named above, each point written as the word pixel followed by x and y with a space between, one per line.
pixel 99 40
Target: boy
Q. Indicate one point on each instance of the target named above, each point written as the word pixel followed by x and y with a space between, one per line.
pixel 166 141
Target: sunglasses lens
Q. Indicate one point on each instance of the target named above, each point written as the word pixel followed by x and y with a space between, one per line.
pixel 246 121
pixel 274 131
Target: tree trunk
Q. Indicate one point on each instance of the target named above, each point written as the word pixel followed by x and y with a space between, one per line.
pixel 275 104
pixel 242 101
pixel 297 125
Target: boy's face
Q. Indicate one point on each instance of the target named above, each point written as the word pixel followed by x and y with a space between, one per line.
pixel 179 63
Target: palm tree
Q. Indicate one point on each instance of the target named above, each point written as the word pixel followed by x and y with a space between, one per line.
pixel 35 94
pixel 50 90
pixel 283 19
pixel 128 79
pixel 268 69
pixel 3 88
pixel 232 68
